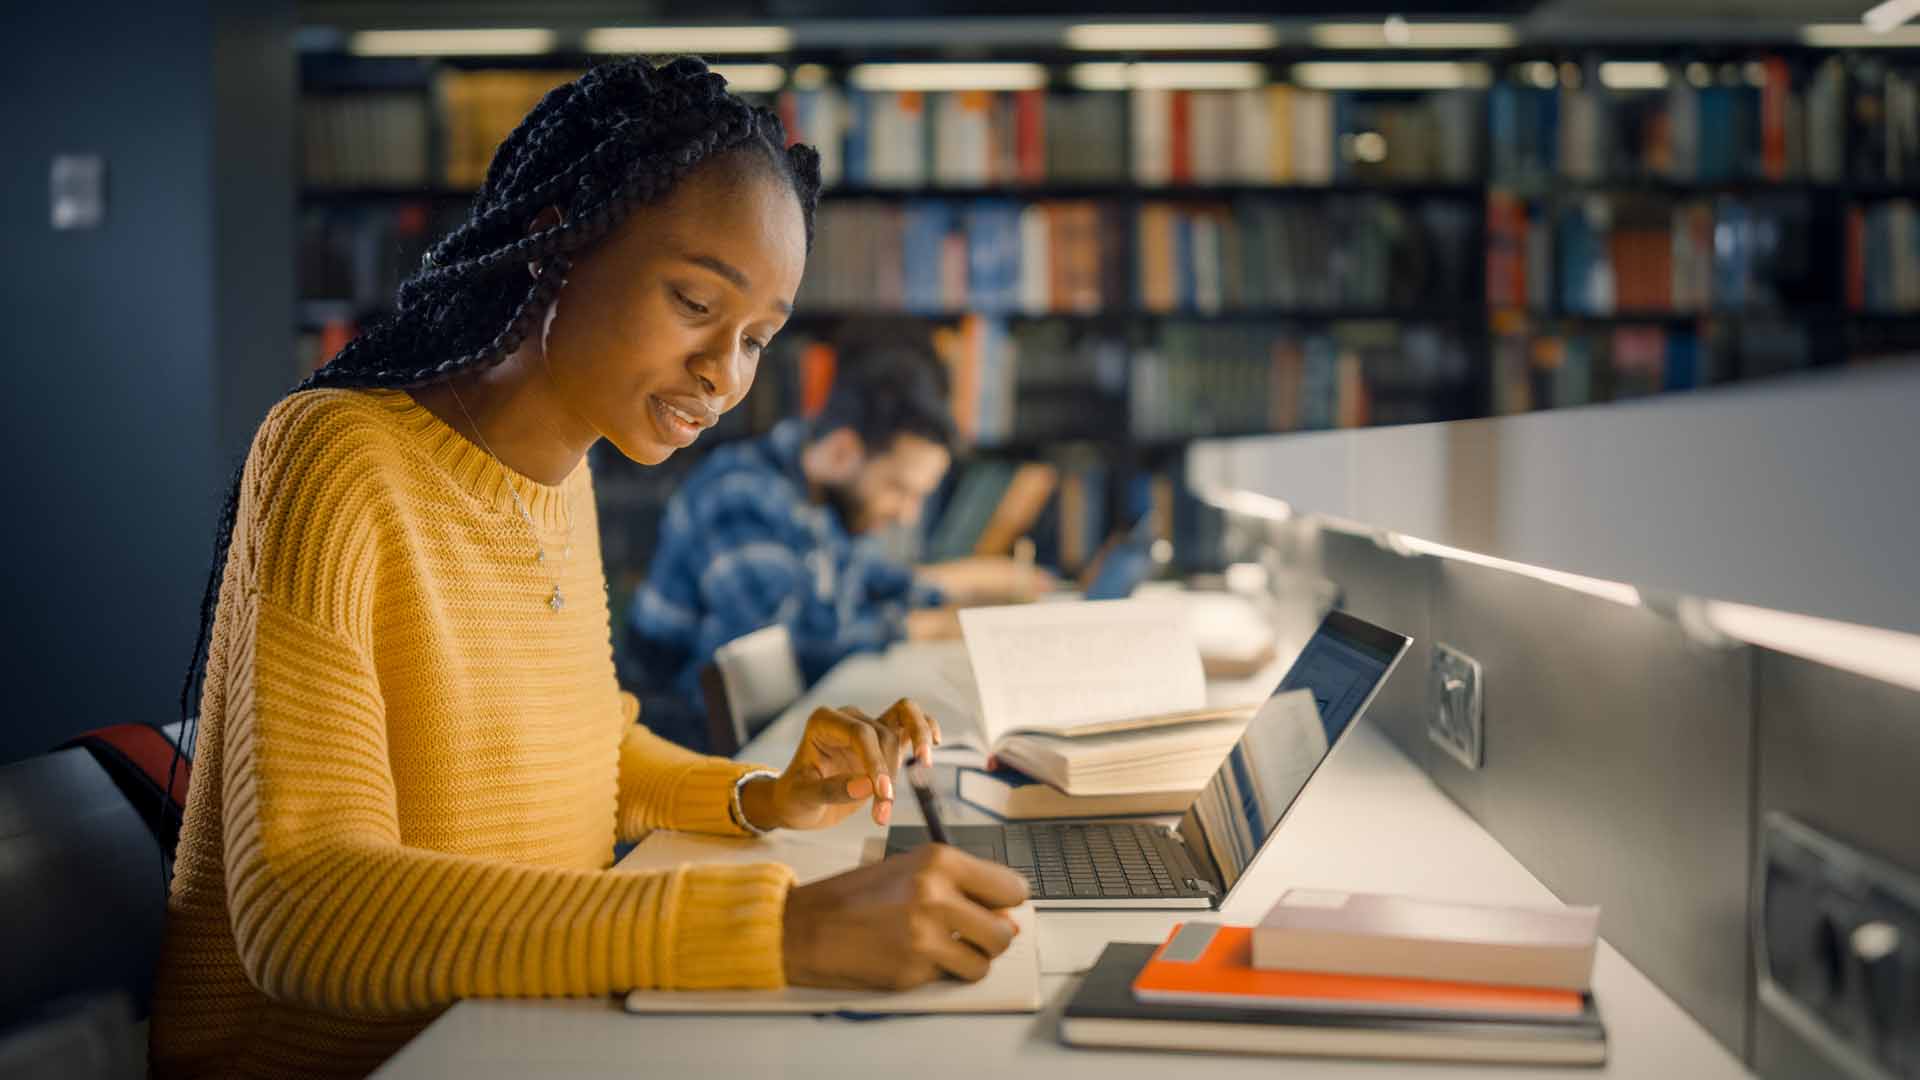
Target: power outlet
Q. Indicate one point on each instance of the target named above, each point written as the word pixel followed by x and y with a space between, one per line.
pixel 1455 693
pixel 1838 950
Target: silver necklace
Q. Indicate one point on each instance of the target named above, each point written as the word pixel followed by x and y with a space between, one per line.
pixel 556 600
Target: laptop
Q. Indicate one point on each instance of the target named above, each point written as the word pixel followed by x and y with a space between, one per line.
pixel 1124 864
pixel 1124 565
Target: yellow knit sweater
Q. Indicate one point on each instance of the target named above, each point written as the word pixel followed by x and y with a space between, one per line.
pixel 411 772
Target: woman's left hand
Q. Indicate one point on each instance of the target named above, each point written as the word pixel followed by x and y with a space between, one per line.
pixel 845 758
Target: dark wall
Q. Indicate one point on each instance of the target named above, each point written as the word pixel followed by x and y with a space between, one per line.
pixel 134 347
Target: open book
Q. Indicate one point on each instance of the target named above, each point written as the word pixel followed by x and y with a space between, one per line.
pixel 1097 698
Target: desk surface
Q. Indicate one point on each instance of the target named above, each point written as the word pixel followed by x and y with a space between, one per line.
pixel 1369 820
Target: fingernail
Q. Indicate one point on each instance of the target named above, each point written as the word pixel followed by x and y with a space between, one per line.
pixel 886 788
pixel 886 812
pixel 859 787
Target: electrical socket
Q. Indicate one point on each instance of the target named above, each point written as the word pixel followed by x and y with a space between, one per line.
pixel 1838 949
pixel 1455 696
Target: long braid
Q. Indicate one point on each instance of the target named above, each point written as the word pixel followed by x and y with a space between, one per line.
pixel 620 136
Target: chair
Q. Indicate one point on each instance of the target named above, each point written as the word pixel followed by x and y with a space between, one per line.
pixel 81 883
pixel 751 679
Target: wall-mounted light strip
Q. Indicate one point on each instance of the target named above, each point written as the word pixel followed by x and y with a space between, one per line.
pixel 955 76
pixel 752 78
pixel 1400 34
pixel 501 42
pixel 1884 17
pixel 1244 502
pixel 1171 37
pixel 697 40
pixel 1615 591
pixel 1887 655
pixel 1390 75
pixel 1196 75
pixel 1856 36
pixel 1633 75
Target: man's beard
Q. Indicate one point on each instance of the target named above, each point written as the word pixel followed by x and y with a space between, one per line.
pixel 840 498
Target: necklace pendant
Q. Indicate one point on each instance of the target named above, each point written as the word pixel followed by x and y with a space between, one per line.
pixel 556 601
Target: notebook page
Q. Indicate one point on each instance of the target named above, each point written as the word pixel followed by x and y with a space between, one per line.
pixel 1057 667
pixel 1012 985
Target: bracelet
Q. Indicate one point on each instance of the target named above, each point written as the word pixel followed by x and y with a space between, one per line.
pixel 733 807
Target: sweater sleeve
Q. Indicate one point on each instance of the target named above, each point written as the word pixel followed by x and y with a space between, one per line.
pixel 332 910
pixel 667 786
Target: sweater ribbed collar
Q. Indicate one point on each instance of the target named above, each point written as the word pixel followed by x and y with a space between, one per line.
pixel 479 473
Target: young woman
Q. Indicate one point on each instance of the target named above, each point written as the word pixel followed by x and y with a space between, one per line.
pixel 413 760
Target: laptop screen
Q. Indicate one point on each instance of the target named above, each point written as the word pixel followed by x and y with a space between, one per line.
pixel 1343 666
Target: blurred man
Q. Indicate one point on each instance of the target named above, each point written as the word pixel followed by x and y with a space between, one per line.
pixel 779 530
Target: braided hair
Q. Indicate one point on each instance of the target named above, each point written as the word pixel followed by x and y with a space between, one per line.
pixel 620 136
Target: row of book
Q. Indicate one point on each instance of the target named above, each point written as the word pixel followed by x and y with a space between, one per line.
pixel 1883 257
pixel 1347 251
pixel 933 255
pixel 1555 369
pixel 1212 378
pixel 1602 254
pixel 1852 118
pixel 1281 134
pixel 359 255
pixel 1277 134
pixel 1041 382
pixel 366 139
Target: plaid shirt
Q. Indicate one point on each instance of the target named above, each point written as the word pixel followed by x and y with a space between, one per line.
pixel 743 547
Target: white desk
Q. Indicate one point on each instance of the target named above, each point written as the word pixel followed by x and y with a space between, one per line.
pixel 1370 819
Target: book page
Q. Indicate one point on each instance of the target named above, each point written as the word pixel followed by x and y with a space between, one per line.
pixel 1058 667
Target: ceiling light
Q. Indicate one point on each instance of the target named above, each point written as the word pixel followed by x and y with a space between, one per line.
pixel 1215 75
pixel 752 78
pixel 1389 75
pixel 1397 33
pixel 1633 75
pixel 1884 17
pixel 1171 37
pixel 1856 36
pixel 520 42
pixel 960 76
pixel 696 40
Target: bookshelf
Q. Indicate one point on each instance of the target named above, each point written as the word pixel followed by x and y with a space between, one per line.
pixel 1121 271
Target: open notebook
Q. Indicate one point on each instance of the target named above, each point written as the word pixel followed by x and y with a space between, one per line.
pixel 1012 984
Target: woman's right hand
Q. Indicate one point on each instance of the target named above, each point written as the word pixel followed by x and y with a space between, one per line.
pixel 901 922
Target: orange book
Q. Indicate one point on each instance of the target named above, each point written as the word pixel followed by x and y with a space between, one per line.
pixel 1773 118
pixel 1030 135
pixel 817 364
pixel 1205 964
pixel 1180 134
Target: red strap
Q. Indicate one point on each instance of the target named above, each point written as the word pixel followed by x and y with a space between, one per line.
pixel 145 749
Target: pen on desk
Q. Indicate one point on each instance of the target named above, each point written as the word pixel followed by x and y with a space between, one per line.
pixel 920 776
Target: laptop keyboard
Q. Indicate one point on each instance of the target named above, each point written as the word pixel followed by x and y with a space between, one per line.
pixel 1066 861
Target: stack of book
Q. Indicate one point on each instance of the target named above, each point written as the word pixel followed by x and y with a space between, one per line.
pixel 1338 974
